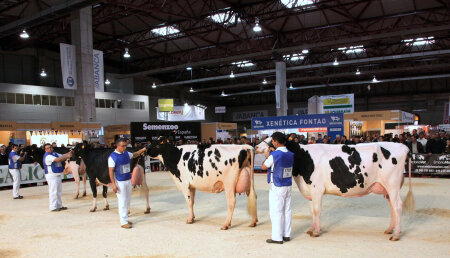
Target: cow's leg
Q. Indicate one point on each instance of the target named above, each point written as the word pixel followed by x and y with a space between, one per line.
pixel 82 172
pixel 105 195
pixel 231 200
pixel 390 229
pixel 316 207
pixel 396 201
pixel 94 193
pixel 310 230
pixel 76 177
pixel 146 191
pixel 189 195
pixel 83 176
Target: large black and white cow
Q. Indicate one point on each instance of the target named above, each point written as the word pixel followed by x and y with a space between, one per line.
pixel 96 161
pixel 211 169
pixel 349 171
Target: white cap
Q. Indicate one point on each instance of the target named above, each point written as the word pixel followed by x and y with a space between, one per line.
pixel 2 145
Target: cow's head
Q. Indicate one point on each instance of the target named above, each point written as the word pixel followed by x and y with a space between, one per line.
pixel 264 146
pixel 158 150
pixel 80 149
pixel 37 154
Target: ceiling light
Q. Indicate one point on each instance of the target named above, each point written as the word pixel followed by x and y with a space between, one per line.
pixel 257 28
pixel 154 85
pixel 374 80
pixel 335 62
pixel 290 86
pixel 24 35
pixel 107 82
pixel 191 90
pixel 357 71
pixel 43 73
pixel 223 94
pixel 185 104
pixel 368 87
pixel 126 54
pixel 231 74
pixel 264 81
pixel 188 67
pixel 305 51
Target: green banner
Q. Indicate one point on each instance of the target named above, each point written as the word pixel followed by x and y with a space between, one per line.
pixel 165 105
pixel 29 173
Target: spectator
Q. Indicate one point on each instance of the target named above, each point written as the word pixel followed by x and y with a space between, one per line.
pixel 344 140
pixel 9 148
pixel 228 141
pixel 313 140
pixel 203 141
pixel 447 147
pixel 3 155
pixel 380 139
pixel 435 145
pixel 319 139
pixel 325 140
pixel 337 140
pixel 54 145
pixel 210 141
pixel 443 137
pixel 302 139
pixel 219 140
pixel 415 146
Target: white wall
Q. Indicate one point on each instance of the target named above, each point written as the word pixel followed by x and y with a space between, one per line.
pixel 106 116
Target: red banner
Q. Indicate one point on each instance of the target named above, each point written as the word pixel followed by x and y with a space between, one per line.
pixel 312 130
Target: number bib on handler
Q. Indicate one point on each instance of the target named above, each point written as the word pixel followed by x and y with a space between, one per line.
pixel 58 164
pixel 287 172
pixel 125 169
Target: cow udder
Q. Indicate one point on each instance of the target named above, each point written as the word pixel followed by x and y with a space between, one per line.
pixel 243 183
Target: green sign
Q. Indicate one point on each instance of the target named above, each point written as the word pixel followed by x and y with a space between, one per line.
pixel 29 173
pixel 165 105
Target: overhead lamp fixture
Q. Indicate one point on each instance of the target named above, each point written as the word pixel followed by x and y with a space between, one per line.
pixel 186 104
pixel 191 90
pixel 223 94
pixel 188 67
pixel 107 82
pixel 264 81
pixel 357 71
pixel 126 54
pixel 43 73
pixel 231 74
pixel 24 35
pixel 305 51
pixel 335 62
pixel 374 80
pixel 290 86
pixel 154 85
pixel 257 28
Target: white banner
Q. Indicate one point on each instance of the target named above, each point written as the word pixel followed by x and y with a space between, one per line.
pixel 182 113
pixel 97 61
pixel 344 103
pixel 68 66
pixel 248 115
pixel 29 173
pixel 49 138
pixel 220 110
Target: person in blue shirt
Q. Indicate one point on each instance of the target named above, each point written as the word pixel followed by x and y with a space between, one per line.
pixel 14 166
pixel 279 164
pixel 120 175
pixel 53 167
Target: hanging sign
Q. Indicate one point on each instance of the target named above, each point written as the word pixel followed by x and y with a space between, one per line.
pixel 68 66
pixel 182 113
pixel 165 105
pixel 97 61
pixel 337 103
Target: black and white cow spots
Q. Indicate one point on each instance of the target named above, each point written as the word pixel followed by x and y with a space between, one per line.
pixel 217 155
pixel 386 153
pixel 341 176
pixel 394 161
pixel 374 157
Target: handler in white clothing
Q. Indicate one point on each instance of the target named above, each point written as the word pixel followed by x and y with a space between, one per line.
pixel 279 176
pixel 120 175
pixel 53 166
pixel 14 166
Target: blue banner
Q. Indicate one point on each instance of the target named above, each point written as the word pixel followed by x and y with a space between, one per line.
pixel 304 121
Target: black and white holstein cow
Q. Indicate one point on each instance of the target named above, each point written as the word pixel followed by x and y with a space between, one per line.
pixel 96 161
pixel 349 171
pixel 211 169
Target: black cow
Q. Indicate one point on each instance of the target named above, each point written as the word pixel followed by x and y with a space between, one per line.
pixel 96 161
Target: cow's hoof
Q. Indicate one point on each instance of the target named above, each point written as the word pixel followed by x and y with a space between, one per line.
pixel 106 208
pixel 313 234
pixel 147 211
pixel 394 238
pixel 75 197
pixel 224 228
pixel 388 231
pixel 189 221
pixel 252 225
pixel 84 194
pixel 309 232
pixel 93 209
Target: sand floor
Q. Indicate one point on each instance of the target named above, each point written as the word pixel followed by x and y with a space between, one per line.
pixel 350 227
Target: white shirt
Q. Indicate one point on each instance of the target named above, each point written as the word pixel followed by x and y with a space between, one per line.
pixel 269 161
pixel 49 160
pixel 423 141
pixel 111 162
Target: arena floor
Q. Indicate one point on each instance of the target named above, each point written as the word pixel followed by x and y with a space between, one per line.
pixel 351 227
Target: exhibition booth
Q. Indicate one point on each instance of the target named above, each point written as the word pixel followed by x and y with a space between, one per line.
pixel 42 132
pixel 219 130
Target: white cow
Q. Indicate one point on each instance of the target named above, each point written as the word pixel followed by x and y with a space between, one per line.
pixel 212 170
pixel 349 171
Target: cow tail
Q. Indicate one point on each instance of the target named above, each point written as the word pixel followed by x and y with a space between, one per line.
pixel 251 202
pixel 409 203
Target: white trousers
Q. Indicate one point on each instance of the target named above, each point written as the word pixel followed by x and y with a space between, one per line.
pixel 280 211
pixel 15 173
pixel 54 190
pixel 123 200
